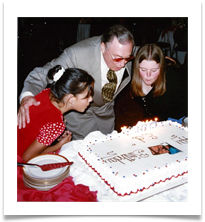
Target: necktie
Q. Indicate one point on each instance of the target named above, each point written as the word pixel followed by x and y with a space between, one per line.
pixel 108 89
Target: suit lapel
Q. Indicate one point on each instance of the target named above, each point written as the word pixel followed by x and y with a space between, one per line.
pixel 125 79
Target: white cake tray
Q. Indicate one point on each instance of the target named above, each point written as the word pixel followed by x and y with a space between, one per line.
pixel 82 174
pixel 106 194
pixel 155 191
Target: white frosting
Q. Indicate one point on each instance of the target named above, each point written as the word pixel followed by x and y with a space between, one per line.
pixel 124 161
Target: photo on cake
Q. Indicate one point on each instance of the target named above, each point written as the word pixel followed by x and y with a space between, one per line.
pixel 163 148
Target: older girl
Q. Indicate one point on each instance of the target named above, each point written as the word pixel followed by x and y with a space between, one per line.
pixel 72 90
pixel 157 86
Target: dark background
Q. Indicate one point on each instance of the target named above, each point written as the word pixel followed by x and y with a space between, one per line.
pixel 42 39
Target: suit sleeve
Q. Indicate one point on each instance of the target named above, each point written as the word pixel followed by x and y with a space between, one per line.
pixel 37 79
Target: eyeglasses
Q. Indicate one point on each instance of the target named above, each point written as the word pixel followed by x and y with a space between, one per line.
pixel 120 59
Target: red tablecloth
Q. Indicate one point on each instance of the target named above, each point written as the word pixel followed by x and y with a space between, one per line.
pixel 66 191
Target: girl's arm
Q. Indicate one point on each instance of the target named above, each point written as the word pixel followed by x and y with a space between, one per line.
pixel 37 148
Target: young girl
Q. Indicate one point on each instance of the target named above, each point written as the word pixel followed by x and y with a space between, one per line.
pixel 72 90
pixel 158 86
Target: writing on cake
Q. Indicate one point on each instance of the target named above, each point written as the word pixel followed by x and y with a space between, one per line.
pixel 177 139
pixel 131 156
pixel 142 137
pixel 180 140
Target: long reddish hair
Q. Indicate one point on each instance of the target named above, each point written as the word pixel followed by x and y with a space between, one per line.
pixel 150 52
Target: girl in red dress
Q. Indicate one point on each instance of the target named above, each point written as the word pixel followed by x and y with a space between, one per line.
pixel 72 90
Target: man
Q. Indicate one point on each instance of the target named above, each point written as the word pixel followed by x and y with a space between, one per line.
pixel 113 50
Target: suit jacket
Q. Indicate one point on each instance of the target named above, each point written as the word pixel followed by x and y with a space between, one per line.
pixel 84 55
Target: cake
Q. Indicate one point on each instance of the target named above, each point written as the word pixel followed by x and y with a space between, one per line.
pixel 146 156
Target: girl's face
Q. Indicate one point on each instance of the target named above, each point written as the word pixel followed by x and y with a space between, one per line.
pixel 81 101
pixel 149 71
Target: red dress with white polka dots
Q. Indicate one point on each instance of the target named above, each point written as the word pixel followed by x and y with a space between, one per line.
pixel 46 124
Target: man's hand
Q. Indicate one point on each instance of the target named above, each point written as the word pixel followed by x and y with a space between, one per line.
pixel 23 113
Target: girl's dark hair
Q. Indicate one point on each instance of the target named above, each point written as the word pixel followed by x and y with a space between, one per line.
pixel 73 81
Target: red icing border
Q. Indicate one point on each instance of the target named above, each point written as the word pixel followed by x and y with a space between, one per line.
pixel 112 188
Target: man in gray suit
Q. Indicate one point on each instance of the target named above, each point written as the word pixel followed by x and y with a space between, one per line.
pixel 113 50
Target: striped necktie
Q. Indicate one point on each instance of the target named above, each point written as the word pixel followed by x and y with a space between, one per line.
pixel 108 89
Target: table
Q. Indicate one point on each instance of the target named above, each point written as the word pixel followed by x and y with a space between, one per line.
pixel 168 37
pixel 66 191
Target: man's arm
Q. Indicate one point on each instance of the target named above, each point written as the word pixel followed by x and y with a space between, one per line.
pixel 36 81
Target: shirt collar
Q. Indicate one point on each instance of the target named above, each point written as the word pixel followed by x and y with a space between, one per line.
pixel 103 63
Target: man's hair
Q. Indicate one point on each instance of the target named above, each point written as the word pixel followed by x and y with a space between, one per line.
pixel 123 35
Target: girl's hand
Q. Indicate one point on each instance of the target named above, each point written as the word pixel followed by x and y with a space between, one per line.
pixel 65 138
pixel 66 132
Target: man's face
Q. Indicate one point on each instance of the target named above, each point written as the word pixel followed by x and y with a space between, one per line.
pixel 115 50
